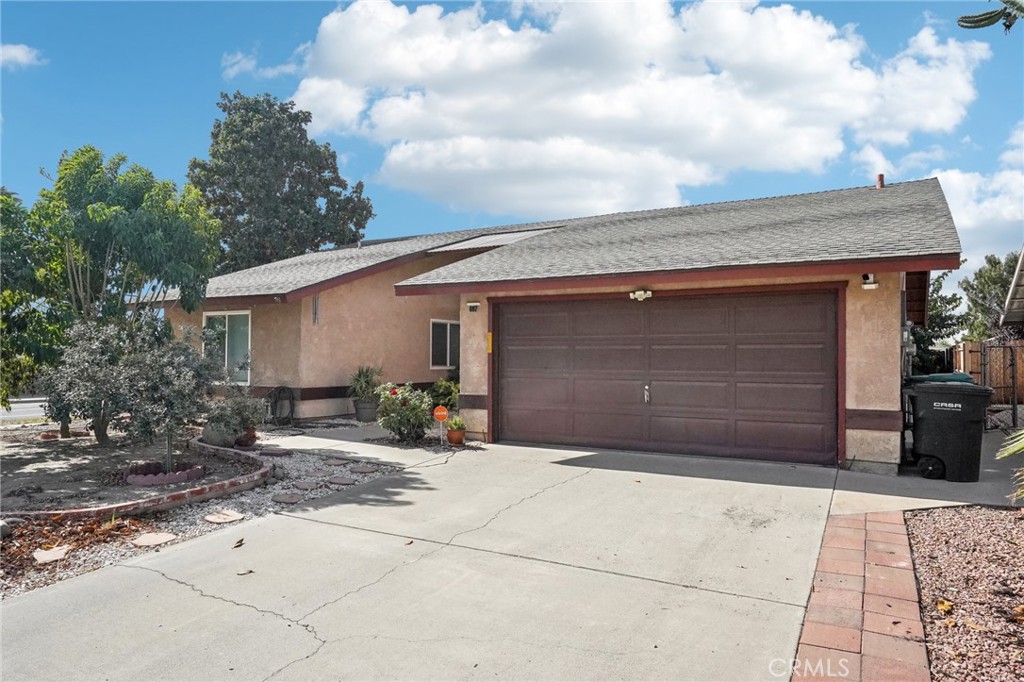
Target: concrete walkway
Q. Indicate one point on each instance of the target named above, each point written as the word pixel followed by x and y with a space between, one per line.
pixel 503 562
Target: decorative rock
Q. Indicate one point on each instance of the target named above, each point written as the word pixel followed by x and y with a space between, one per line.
pixel 341 480
pixel 14 521
pixel 287 498
pixel 6 530
pixel 337 462
pixel 46 556
pixel 153 539
pixel 271 481
pixel 364 469
pixel 224 516
pixel 275 452
pixel 306 485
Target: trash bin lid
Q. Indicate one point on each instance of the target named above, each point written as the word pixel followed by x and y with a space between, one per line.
pixel 961 377
pixel 952 387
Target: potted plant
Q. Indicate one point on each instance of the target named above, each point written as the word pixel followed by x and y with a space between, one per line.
pixel 362 387
pixel 456 430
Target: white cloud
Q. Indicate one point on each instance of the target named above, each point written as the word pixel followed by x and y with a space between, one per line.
pixel 586 107
pixel 234 63
pixel 988 208
pixel 17 56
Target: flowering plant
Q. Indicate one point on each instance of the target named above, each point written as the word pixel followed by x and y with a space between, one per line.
pixel 404 411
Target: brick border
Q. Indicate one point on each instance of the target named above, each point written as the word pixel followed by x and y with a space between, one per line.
pixel 174 499
pixel 863 619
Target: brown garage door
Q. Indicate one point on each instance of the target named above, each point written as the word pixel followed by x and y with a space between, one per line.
pixel 744 376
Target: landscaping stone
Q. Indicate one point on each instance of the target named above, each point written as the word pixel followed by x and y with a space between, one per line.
pixel 275 452
pixel 337 462
pixel 224 516
pixel 153 539
pixel 286 498
pixel 14 521
pixel 341 480
pixel 6 530
pixel 364 469
pixel 46 556
pixel 306 485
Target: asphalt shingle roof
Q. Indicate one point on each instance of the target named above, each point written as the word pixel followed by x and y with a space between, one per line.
pixel 901 220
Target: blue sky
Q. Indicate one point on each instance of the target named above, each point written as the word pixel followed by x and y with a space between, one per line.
pixel 465 115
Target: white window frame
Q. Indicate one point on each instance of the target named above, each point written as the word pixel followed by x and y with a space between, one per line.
pixel 248 342
pixel 448 349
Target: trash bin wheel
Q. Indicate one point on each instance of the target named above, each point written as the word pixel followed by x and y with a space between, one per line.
pixel 931 467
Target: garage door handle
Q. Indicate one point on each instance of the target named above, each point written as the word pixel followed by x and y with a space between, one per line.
pixel 647 394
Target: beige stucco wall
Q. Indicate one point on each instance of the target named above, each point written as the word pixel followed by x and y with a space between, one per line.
pixel 274 338
pixel 365 323
pixel 873 351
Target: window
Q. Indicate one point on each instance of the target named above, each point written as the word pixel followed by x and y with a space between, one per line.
pixel 444 344
pixel 229 340
pixel 316 309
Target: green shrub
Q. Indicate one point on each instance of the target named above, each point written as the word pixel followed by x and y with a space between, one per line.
pixel 456 423
pixel 237 412
pixel 404 411
pixel 445 392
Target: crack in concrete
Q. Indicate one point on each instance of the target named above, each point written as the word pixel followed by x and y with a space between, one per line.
pixel 481 640
pixel 516 504
pixel 202 593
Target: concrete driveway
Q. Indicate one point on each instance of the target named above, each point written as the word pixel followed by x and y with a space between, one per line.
pixel 504 562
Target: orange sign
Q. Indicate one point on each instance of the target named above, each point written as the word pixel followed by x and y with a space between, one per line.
pixel 440 413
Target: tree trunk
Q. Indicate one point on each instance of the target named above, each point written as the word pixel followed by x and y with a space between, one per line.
pixel 65 428
pixel 99 429
pixel 169 456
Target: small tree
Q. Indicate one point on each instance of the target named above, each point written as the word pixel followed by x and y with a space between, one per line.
pixel 986 293
pixel 276 192
pixel 944 322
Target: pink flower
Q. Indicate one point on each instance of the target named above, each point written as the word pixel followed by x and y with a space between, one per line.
pixel 394 391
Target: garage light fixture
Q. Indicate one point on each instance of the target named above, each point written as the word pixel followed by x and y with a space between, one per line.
pixel 868 281
pixel 640 295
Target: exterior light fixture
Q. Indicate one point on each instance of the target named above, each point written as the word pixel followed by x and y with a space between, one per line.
pixel 473 306
pixel 640 295
pixel 868 281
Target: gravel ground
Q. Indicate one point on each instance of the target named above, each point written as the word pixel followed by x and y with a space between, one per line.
pixel 970 567
pixel 95 547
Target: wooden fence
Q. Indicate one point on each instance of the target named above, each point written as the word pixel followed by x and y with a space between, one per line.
pixel 999 365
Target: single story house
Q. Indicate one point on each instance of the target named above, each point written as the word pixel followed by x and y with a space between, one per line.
pixel 763 329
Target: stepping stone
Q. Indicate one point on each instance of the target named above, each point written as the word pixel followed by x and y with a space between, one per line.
pixel 306 485
pixel 46 556
pixel 286 498
pixel 337 462
pixel 320 473
pixel 364 469
pixel 341 480
pixel 275 452
pixel 224 516
pixel 153 539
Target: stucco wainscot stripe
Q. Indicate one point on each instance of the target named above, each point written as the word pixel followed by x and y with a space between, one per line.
pixel 472 402
pixel 170 500
pixel 874 420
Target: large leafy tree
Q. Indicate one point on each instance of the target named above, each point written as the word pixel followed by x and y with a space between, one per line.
pixel 277 192
pixel 113 241
pixel 944 322
pixel 30 328
pixel 1008 14
pixel 986 294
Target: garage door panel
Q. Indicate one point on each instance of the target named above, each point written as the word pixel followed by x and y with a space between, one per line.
pixel 779 359
pixel 609 427
pixel 528 325
pixel 537 425
pixel 788 397
pixel 615 394
pixel 691 394
pixel 610 359
pixel 692 358
pixel 786 318
pixel 749 376
pixel 537 358
pixel 775 435
pixel 546 391
pixel 691 430
pixel 667 320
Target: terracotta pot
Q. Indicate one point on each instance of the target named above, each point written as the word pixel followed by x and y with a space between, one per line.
pixel 456 436
pixel 247 439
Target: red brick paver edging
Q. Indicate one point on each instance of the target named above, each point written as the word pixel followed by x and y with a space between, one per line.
pixel 174 499
pixel 863 620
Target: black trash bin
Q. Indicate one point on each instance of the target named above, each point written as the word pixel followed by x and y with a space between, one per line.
pixel 949 419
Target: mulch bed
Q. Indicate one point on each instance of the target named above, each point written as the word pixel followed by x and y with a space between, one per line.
pixel 970 569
